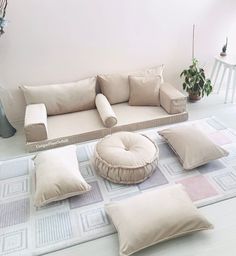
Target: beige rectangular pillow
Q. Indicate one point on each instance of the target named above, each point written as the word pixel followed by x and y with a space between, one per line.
pixel 144 90
pixel 58 176
pixel 116 86
pixel 192 146
pixel 63 98
pixel 153 217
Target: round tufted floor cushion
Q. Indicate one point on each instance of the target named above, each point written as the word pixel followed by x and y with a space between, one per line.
pixel 126 157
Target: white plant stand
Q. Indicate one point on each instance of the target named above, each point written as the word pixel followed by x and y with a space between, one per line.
pixel 228 63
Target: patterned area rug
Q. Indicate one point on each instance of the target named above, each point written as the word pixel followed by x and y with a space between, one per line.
pixel 26 230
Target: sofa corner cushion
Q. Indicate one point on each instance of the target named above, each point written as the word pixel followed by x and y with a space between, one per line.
pixel 105 111
pixel 171 99
pixel 192 146
pixel 153 217
pixel 58 176
pixel 144 90
pixel 63 98
pixel 35 125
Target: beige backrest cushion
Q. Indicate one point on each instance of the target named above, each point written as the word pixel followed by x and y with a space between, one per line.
pixel 63 98
pixel 192 146
pixel 116 86
pixel 144 90
pixel 153 217
pixel 58 176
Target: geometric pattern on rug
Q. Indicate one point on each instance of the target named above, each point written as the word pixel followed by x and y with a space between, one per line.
pixel 157 179
pixel 198 187
pixel 47 228
pixel 91 197
pixel 15 168
pixel 15 212
pixel 227 181
pixel 211 167
pixel 15 188
pixel 13 242
pixel 27 230
pixel 94 219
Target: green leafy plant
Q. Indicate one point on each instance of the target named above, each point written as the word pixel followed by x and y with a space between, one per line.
pixel 195 81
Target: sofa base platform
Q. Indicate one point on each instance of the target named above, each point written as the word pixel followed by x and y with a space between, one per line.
pixel 97 134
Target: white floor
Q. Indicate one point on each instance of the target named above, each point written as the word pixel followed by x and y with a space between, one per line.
pixel 219 242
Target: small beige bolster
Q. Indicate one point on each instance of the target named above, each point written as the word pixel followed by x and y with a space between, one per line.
pixel 172 100
pixel 35 122
pixel 105 111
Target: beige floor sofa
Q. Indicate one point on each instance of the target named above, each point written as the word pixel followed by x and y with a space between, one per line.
pixel 58 115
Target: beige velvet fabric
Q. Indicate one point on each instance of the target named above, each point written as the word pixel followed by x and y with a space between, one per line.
pixel 192 146
pixel 126 157
pixel 172 100
pixel 35 125
pixel 144 90
pixel 153 217
pixel 58 176
pixel 87 125
pixel 116 86
pixel 63 98
pixel 105 111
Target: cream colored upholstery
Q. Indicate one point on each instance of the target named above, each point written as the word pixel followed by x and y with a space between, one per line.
pixel 87 125
pixel 35 125
pixel 144 90
pixel 63 98
pixel 153 217
pixel 85 122
pixel 58 176
pixel 105 111
pixel 126 158
pixel 192 146
pixel 172 100
pixel 116 86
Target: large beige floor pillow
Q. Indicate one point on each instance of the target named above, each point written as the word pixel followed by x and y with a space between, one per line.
pixel 153 217
pixel 126 157
pixel 58 176
pixel 192 146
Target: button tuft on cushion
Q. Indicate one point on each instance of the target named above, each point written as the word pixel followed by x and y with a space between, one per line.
pixel 126 157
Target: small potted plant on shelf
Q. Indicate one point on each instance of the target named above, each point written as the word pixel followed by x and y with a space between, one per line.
pixel 195 81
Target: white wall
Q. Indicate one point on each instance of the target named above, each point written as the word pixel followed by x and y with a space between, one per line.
pixel 50 41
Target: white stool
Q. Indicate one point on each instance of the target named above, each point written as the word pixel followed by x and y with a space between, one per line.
pixel 229 63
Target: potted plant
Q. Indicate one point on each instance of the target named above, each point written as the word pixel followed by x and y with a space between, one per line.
pixel 195 81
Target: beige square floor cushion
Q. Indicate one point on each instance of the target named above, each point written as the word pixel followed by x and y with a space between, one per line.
pixel 144 90
pixel 63 98
pixel 192 146
pixel 153 217
pixel 116 86
pixel 58 176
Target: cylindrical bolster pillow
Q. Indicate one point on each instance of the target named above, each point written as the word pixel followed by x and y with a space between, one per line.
pixel 105 111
